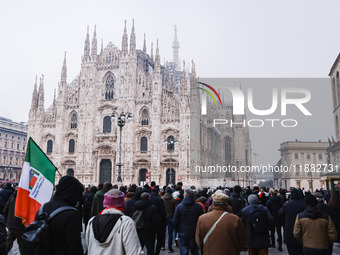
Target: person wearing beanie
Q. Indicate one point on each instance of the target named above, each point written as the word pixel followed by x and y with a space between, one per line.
pixel 111 232
pixel 257 220
pixel 288 213
pixel 65 227
pixel 229 233
pixel 152 222
pixel 314 229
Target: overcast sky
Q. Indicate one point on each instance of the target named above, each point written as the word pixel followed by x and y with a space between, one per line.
pixel 224 38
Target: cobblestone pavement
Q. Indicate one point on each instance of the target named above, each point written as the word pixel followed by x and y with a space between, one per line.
pixel 272 251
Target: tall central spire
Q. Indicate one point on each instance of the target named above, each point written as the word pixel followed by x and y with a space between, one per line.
pixel 175 47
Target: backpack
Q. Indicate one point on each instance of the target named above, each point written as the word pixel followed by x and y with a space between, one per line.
pixel 258 221
pixel 36 238
pixel 138 219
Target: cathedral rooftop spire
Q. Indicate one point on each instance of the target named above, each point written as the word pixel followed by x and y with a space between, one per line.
pixel 152 50
pixel 144 45
pixel 35 95
pixel 175 47
pixel 125 41
pixel 87 45
pixel 41 94
pixel 133 39
pixel 64 71
pixel 157 59
pixel 94 45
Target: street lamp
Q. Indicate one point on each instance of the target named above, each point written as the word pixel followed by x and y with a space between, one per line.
pixel 121 122
pixel 170 147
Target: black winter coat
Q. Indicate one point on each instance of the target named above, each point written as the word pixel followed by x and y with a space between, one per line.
pixel 151 219
pixel 274 204
pixel 186 217
pixel 87 207
pixel 5 194
pixel 289 211
pixel 159 204
pixel 237 202
pixel 12 222
pixel 3 235
pixel 66 226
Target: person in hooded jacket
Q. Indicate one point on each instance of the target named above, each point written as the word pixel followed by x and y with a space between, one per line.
pixel 130 204
pixel 66 226
pixel 111 232
pixel 314 229
pixel 274 204
pixel 152 221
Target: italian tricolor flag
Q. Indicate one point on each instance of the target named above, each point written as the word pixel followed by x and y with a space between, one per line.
pixel 36 183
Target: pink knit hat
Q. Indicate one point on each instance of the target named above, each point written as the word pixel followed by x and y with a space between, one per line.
pixel 114 198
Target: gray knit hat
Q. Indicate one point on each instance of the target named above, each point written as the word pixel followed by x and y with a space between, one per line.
pixel 253 199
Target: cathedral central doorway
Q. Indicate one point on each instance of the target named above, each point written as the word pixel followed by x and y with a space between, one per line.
pixel 105 171
pixel 142 176
pixel 170 174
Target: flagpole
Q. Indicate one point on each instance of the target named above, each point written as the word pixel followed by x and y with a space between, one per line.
pixel 44 154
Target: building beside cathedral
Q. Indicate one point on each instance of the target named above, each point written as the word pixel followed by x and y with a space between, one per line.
pixel 78 133
pixel 12 148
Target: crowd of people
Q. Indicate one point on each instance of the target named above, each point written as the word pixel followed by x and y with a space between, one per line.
pixel 125 219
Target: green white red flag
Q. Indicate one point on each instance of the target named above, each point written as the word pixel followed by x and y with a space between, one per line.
pixel 36 183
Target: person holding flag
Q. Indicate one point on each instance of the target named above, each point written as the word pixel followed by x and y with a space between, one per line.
pixel 36 183
pixel 35 190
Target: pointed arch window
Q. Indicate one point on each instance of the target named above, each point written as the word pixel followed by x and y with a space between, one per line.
pixel 49 146
pixel 107 124
pixel 74 120
pixel 145 117
pixel 71 146
pixel 109 85
pixel 143 144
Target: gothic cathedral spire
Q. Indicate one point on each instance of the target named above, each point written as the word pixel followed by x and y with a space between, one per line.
pixel 144 45
pixel 34 96
pixel 133 39
pixel 125 42
pixel 157 60
pixel 64 71
pixel 87 46
pixel 151 51
pixel 41 95
pixel 94 45
pixel 175 48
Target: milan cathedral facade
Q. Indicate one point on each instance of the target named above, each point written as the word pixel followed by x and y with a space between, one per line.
pixel 79 135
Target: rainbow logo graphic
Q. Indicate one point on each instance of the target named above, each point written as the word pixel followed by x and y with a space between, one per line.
pixel 204 98
pixel 209 93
